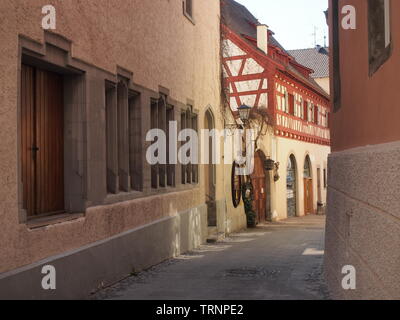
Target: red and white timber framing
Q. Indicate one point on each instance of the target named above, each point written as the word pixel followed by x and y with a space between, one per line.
pixel 259 80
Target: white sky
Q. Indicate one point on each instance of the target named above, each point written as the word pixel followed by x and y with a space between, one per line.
pixel 293 21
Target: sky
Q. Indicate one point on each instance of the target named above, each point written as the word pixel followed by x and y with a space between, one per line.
pixel 292 21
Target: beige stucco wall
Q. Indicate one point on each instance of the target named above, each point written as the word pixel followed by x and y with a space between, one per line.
pixel 236 217
pixel 282 149
pixel 324 83
pixel 155 41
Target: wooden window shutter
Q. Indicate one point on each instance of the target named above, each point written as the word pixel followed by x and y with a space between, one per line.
pixel 305 110
pixel 316 114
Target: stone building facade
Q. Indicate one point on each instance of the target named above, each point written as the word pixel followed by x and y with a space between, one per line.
pixel 77 191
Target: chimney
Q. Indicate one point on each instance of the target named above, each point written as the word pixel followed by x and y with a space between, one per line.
pixel 262 37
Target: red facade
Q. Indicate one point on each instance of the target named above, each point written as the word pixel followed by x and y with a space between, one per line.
pixel 274 80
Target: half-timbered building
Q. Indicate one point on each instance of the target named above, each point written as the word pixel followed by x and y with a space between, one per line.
pixel 261 74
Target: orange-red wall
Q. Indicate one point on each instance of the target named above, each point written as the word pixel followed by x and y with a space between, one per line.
pixel 370 107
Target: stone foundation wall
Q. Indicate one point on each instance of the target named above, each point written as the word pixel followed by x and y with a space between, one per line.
pixel 363 221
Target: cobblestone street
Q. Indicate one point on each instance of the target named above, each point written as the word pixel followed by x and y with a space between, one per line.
pixel 274 261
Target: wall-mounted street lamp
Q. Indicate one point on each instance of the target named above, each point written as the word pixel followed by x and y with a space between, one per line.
pixel 244 113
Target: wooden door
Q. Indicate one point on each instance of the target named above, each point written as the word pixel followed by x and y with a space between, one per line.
pixel 42 141
pixel 308 196
pixel 258 180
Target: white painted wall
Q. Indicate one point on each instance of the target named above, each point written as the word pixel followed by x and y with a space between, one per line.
pixel 319 159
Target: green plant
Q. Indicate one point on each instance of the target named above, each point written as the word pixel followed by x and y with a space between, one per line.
pixel 248 197
pixel 251 219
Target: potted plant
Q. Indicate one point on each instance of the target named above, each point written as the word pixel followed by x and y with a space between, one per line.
pixel 248 197
pixel 276 172
pixel 251 219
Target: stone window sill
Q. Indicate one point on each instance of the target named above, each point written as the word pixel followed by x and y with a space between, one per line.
pixel 52 220
pixel 136 195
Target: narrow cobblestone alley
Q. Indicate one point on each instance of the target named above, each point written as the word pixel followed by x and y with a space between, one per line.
pixel 274 261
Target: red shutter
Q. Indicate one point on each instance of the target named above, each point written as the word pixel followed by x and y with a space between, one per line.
pixel 316 114
pixel 305 105
pixel 291 104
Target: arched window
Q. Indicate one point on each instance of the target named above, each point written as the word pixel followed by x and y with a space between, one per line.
pixel 307 168
pixel 236 186
pixel 291 173
pixel 291 187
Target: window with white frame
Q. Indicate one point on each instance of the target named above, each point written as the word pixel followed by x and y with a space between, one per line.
pixel 286 105
pixel 310 115
pixel 301 107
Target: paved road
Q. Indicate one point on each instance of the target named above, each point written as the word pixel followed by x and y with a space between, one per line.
pixel 275 261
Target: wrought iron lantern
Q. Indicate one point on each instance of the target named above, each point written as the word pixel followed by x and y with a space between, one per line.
pixel 244 113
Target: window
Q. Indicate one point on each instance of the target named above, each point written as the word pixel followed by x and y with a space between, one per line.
pixel 307 168
pixel 305 110
pixel 324 117
pixel 111 137
pixel 286 106
pixel 162 175
pixel 195 167
pixel 236 186
pixel 190 172
pixel 170 167
pixel 325 179
pixel 301 106
pixel 316 115
pixel 379 33
pixel 123 138
pixel 291 104
pixel 188 9
pixel 135 142
pixel 183 127
pixel 189 166
pixel 310 112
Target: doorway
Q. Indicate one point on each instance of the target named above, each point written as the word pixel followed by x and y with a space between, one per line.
pixel 42 141
pixel 291 187
pixel 258 179
pixel 319 186
pixel 308 187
